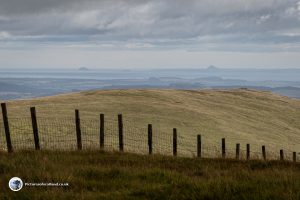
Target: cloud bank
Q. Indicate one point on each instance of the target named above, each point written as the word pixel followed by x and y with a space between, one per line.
pixel 241 26
pixel 192 24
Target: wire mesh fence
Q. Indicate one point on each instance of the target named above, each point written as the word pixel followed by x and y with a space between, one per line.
pixel 56 133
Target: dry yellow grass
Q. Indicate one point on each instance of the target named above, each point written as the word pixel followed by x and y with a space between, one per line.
pixel 241 115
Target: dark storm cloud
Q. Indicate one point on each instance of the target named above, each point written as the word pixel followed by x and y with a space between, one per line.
pixel 156 23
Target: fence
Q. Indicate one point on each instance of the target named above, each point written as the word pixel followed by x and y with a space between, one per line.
pixel 78 133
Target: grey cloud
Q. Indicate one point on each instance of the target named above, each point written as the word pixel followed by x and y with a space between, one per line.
pixel 157 23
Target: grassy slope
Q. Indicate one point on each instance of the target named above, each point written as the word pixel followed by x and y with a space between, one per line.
pixel 99 175
pixel 245 116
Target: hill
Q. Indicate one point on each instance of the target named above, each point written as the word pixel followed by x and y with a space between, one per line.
pixel 99 175
pixel 240 115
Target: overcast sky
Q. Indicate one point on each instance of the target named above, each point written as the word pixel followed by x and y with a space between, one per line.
pixel 150 34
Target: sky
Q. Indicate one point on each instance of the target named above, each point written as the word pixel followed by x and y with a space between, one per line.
pixel 149 34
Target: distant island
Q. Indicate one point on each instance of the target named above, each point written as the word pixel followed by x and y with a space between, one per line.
pixel 83 69
pixel 212 68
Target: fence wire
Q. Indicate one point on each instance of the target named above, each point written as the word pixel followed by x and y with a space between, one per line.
pixel 60 134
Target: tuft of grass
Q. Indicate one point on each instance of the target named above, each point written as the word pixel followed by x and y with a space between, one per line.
pixel 113 175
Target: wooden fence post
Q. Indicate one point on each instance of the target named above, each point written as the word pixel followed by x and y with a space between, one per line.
pixel 35 128
pixel 199 146
pixel 294 157
pixel 174 141
pixel 150 138
pixel 101 131
pixel 120 124
pixel 263 149
pixel 281 155
pixel 78 130
pixel 6 128
pixel 223 148
pixel 248 151
pixel 237 151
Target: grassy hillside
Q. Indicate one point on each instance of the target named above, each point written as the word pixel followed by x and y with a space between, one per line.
pixel 99 175
pixel 244 116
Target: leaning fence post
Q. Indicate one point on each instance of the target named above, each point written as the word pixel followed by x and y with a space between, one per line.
pixel 263 149
pixel 35 128
pixel 78 130
pixel 294 157
pixel 120 123
pixel 150 138
pixel 6 127
pixel 223 148
pixel 101 131
pixel 174 141
pixel 199 146
pixel 281 155
pixel 248 151
pixel 237 151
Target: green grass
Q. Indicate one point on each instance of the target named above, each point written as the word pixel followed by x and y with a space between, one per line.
pixel 103 175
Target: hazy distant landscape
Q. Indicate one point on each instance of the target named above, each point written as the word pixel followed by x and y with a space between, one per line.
pixel 20 84
pixel 155 99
